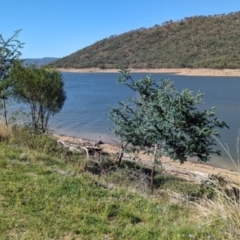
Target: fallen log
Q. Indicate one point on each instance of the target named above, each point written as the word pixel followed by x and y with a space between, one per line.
pixel 73 148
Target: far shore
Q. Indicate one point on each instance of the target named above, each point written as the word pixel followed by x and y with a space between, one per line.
pixel 177 71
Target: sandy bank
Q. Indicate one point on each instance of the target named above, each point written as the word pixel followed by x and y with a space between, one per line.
pixel 191 171
pixel 177 71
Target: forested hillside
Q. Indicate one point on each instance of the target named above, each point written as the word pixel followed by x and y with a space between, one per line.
pixel 194 42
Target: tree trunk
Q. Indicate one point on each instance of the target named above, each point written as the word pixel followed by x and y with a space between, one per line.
pixel 41 115
pixel 152 178
pixel 33 113
pixel 5 111
pixel 153 168
pixel 120 156
pixel 46 120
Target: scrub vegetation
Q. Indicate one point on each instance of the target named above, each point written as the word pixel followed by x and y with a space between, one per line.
pixel 39 87
pixel 193 42
pixel 164 122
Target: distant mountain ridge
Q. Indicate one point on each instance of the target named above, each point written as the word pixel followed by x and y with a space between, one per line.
pixel 194 42
pixel 39 61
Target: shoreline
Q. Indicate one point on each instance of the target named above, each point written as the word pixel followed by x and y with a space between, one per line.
pixel 190 170
pixel 178 71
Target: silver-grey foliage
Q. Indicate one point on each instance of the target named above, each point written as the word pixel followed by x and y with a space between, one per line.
pixel 163 121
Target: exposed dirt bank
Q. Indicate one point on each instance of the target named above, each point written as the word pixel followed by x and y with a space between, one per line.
pixel 177 71
pixel 191 171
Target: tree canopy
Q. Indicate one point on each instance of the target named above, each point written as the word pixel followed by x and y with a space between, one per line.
pixel 164 121
pixel 42 88
pixel 9 52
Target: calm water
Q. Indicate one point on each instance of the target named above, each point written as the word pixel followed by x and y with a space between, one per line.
pixel 85 113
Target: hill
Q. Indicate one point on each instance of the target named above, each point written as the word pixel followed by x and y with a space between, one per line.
pixel 39 61
pixel 194 42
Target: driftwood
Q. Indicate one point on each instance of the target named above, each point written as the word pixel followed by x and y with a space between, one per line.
pixel 89 149
pixel 73 148
pixel 92 150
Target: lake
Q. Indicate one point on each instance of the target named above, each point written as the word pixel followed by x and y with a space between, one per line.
pixel 89 96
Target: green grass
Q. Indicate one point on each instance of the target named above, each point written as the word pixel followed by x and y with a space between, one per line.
pixel 47 193
pixel 44 198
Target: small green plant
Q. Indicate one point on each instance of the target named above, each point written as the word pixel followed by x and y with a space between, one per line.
pixel 208 189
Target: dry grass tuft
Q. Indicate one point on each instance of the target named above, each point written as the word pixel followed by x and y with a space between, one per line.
pixel 5 132
pixel 223 210
pixel 224 207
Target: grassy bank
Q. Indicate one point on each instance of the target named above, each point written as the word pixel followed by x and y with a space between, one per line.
pixel 48 193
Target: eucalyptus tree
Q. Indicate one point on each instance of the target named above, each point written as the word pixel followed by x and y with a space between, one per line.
pixel 9 52
pixel 40 87
pixel 164 121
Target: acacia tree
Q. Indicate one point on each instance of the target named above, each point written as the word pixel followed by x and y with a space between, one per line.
pixel 41 88
pixel 163 121
pixel 9 52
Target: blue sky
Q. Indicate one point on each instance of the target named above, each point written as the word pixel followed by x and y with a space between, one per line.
pixel 57 28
